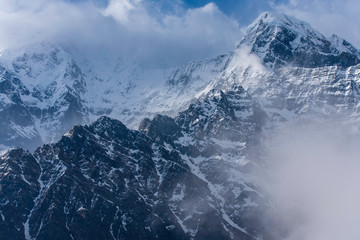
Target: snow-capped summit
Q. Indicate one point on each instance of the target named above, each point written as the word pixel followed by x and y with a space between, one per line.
pixel 279 39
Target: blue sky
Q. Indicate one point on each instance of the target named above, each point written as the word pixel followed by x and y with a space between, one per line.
pixel 242 10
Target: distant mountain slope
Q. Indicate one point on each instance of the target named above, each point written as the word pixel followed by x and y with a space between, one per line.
pixel 283 63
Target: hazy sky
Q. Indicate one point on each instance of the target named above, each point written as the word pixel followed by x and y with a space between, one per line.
pixel 160 32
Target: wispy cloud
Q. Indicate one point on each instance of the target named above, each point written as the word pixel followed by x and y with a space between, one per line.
pixel 126 28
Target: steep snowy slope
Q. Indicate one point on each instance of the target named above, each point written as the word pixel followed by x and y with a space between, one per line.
pixel 56 92
pixel 131 92
pixel 285 65
pixel 17 125
pixel 50 88
pixel 281 40
pixel 283 81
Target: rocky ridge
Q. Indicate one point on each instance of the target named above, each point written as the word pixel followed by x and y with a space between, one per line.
pixel 174 178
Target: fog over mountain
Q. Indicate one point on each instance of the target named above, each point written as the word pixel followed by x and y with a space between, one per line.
pixel 314 169
pixel 126 123
pixel 132 30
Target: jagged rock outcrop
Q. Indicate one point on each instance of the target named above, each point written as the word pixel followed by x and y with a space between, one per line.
pixel 104 181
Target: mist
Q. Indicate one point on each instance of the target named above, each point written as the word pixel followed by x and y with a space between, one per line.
pixel 131 30
pixel 314 173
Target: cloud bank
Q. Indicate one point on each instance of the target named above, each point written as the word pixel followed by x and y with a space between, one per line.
pixel 315 172
pixel 133 29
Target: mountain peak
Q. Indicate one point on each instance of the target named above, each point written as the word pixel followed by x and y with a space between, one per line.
pixel 277 19
pixel 108 127
pixel 281 40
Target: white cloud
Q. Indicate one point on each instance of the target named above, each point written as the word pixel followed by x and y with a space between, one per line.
pixel 129 13
pixel 340 17
pixel 125 28
pixel 314 185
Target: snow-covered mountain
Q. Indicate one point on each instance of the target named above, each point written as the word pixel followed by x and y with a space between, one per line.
pixel 295 70
pixel 56 92
pixel 281 40
pixel 190 170
pixel 50 88
pixel 284 63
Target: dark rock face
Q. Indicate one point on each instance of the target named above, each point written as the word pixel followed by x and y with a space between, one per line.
pixel 213 135
pixel 104 181
pixel 161 129
pixel 222 115
pixel 18 187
